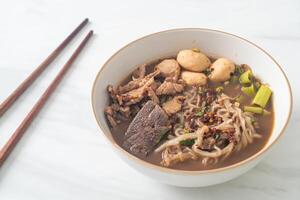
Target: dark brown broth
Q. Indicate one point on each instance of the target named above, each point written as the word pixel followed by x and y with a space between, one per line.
pixel 232 90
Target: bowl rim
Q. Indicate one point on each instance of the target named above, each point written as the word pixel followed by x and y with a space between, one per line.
pixel 187 172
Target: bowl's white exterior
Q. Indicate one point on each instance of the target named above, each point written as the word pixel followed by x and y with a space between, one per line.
pixel 192 179
pixel 213 43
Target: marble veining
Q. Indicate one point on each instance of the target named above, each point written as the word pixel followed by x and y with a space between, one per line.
pixel 64 156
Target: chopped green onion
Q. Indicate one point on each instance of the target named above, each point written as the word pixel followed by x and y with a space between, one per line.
pixel 217 136
pixel 253 109
pixel 238 70
pixel 200 113
pixel 207 71
pixel 266 112
pixel 234 79
pixel 246 77
pixel 250 91
pixel 239 98
pixel 262 97
pixel 219 89
pixel 187 142
pixel 256 110
pixel 185 131
pixel 163 134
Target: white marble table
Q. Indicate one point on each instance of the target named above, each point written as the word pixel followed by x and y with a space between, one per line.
pixel 63 155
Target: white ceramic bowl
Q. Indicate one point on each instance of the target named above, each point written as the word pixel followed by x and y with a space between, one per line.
pixel 213 43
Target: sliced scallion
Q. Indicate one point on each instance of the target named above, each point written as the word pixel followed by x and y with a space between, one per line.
pixel 163 135
pixel 187 142
pixel 240 98
pixel 234 79
pixel 185 131
pixel 256 110
pixel 253 109
pixel 262 97
pixel 219 89
pixel 238 70
pixel 200 113
pixel 245 78
pixel 250 91
pixel 266 112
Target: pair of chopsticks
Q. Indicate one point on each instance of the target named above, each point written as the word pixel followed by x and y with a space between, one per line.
pixel 19 132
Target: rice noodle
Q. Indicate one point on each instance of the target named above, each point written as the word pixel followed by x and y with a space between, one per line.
pixel 233 118
pixel 177 140
pixel 214 154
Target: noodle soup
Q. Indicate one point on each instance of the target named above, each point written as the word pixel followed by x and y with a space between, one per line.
pixel 191 112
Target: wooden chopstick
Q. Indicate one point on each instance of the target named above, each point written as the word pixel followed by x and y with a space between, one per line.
pixel 29 80
pixel 19 132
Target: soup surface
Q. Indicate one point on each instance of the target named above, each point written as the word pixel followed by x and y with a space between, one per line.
pixel 191 114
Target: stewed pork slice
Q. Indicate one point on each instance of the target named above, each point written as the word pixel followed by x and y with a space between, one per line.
pixel 169 68
pixel 174 105
pixel 136 83
pixel 136 95
pixel 169 88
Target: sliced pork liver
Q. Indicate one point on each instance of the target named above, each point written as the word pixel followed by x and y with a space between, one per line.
pixel 146 129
